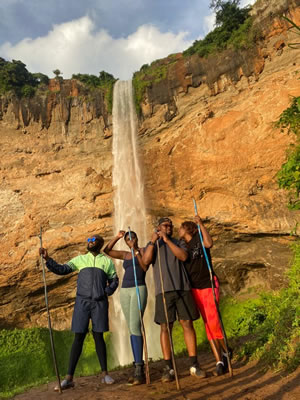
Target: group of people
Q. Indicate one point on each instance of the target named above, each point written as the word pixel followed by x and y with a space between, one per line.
pixel 183 287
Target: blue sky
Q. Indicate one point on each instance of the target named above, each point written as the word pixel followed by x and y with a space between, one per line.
pixel 88 36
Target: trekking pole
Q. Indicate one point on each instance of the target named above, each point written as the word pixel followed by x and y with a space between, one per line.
pixel 213 290
pixel 167 319
pixel 49 319
pixel 140 311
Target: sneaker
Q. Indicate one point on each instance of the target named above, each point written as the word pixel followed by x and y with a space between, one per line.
pixel 108 380
pixel 219 369
pixel 168 374
pixel 197 371
pixel 65 384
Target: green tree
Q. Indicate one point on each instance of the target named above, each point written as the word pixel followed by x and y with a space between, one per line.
pixel 106 77
pixel 41 78
pixel 14 77
pixel 57 74
pixel 233 25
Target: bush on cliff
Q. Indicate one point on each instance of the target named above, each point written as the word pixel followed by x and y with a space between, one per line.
pixel 274 324
pixel 289 174
pixel 233 26
pixel 15 78
pixel 104 81
pixel 148 74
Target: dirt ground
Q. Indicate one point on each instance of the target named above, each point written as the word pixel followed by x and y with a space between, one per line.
pixel 248 383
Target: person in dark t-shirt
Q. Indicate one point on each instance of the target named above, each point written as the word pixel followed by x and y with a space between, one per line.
pixel 199 277
pixel 177 294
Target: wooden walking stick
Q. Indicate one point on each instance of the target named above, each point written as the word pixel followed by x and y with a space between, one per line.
pixel 49 319
pixel 213 290
pixel 140 311
pixel 167 319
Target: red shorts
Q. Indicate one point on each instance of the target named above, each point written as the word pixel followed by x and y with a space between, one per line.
pixel 204 300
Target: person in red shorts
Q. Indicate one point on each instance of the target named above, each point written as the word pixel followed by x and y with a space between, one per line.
pixel 199 277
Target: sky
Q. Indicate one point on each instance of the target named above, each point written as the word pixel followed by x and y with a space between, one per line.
pixel 89 36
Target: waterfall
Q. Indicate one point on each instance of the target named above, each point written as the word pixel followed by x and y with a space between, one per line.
pixel 129 207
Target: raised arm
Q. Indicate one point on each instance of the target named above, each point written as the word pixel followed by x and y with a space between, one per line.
pixel 148 255
pixel 178 252
pixel 207 239
pixel 120 255
pixel 53 266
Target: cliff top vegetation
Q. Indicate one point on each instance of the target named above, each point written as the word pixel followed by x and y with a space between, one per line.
pixel 234 29
pixel 14 77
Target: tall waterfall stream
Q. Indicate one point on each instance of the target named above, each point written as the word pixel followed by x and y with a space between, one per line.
pixel 129 210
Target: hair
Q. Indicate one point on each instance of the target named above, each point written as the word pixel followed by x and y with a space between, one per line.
pixel 190 227
pixel 133 234
pixel 164 219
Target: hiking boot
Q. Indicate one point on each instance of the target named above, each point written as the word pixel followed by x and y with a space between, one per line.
pixel 168 374
pixel 139 375
pixel 65 384
pixel 195 370
pixel 131 378
pixel 225 359
pixel 219 369
pixel 108 380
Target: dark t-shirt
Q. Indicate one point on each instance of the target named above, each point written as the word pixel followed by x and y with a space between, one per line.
pixel 173 272
pixel 196 265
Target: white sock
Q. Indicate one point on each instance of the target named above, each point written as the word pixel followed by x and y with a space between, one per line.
pixel 220 362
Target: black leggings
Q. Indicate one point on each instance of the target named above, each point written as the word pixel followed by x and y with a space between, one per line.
pixel 77 349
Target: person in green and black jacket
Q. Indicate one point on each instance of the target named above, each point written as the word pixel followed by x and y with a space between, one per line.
pixel 97 279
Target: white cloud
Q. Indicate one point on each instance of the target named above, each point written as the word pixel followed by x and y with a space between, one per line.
pixel 209 23
pixel 245 3
pixel 75 47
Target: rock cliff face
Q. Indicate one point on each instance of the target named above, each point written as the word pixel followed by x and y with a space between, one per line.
pixel 211 137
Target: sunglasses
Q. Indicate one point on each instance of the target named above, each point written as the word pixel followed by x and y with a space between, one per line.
pixel 93 239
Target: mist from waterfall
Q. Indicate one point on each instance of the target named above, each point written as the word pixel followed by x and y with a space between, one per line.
pixel 129 208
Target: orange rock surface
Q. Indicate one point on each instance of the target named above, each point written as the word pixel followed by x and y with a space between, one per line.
pixel 219 146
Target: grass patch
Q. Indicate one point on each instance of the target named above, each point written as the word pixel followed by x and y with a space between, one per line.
pixel 275 324
pixel 26 358
pixel 232 311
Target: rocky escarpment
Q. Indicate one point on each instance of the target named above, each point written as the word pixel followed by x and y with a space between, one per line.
pixel 177 73
pixel 211 138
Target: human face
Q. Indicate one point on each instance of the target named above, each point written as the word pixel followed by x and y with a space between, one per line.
pixel 166 227
pixel 181 232
pixel 93 243
pixel 133 240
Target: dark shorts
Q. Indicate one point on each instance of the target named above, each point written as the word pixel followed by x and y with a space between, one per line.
pixel 84 310
pixel 180 305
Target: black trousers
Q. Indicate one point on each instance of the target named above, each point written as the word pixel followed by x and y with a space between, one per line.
pixel 77 349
